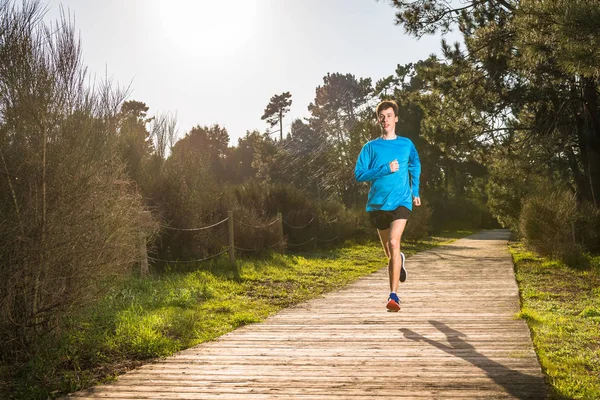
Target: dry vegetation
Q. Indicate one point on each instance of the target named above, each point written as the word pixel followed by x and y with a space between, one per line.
pixel 70 219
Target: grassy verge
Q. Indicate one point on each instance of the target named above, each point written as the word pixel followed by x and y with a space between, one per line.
pixel 562 307
pixel 144 318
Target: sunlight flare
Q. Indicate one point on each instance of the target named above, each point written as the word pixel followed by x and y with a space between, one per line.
pixel 208 29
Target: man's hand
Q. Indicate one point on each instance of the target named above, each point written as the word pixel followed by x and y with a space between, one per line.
pixel 417 201
pixel 394 166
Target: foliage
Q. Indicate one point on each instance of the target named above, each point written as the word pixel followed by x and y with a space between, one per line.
pixel 587 227
pixel 208 143
pixel 522 72
pixel 70 218
pixel 255 206
pixel 562 307
pixel 303 160
pixel 509 183
pixel 339 106
pixel 560 30
pixel 547 224
pixel 188 196
pixel 135 143
pixel 419 224
pixel 520 97
pixel 453 175
pixel 553 225
pixel 245 160
pixel 278 105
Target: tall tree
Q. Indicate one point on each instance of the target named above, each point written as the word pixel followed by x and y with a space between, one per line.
pixel 277 107
pixel 136 145
pixel 528 74
pixel 303 160
pixel 340 103
pixel 210 143
pixel 252 157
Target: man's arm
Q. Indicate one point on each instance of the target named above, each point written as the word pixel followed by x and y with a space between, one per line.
pixel 414 169
pixel 363 173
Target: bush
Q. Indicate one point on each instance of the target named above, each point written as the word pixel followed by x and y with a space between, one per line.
pixel 461 213
pixel 419 223
pixel 587 227
pixel 548 225
pixel 71 221
pixel 192 199
pixel 510 181
pixel 255 231
pixel 188 197
pixel 262 201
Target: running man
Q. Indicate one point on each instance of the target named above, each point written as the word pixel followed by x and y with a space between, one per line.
pixel 391 165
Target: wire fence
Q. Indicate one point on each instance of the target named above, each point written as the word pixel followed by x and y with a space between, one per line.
pixel 194 229
pixel 231 247
pixel 299 227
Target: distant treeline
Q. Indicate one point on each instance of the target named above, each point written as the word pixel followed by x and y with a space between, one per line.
pixel 507 127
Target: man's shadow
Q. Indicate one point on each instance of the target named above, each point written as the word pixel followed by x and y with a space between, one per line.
pixel 517 384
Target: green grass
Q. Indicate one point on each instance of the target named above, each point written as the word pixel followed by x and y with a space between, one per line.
pixel 562 307
pixel 144 318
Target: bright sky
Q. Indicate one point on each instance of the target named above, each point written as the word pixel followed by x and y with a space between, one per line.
pixel 217 61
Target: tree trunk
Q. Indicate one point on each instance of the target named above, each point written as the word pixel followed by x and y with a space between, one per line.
pixel 592 135
pixel 37 293
pixel 281 125
pixel 13 193
pixel 144 268
pixel 578 176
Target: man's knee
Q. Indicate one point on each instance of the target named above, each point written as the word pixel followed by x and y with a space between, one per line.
pixel 394 244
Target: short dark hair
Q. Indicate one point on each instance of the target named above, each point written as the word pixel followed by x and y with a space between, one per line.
pixel 384 105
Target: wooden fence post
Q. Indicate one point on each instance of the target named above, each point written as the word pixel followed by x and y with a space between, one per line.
pixel 316 241
pixel 231 238
pixel 144 270
pixel 280 230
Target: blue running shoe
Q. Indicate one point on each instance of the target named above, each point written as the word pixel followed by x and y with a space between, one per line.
pixel 393 303
pixel 402 268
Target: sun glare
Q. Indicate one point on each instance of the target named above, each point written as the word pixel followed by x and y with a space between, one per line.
pixel 208 28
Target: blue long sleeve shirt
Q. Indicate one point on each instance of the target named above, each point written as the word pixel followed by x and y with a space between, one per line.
pixel 389 190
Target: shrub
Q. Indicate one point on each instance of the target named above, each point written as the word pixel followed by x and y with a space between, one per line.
pixel 188 197
pixel 461 213
pixel 419 223
pixel 335 220
pixel 71 221
pixel 191 198
pixel 261 201
pixel 547 224
pixel 587 227
pixel 255 231
pixel 510 180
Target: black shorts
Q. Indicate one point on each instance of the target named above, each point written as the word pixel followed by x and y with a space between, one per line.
pixel 382 219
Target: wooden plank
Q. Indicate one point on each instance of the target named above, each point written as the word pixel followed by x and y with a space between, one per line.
pixel 455 395
pixel 456 337
pixel 386 389
pixel 315 380
pixel 284 372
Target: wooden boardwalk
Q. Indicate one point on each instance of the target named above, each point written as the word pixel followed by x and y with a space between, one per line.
pixel 456 337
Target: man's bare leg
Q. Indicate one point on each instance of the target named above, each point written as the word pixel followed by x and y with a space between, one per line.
pixel 391 239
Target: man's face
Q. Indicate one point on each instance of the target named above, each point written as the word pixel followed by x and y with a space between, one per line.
pixel 387 120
